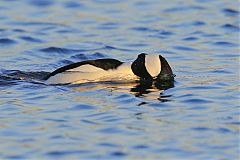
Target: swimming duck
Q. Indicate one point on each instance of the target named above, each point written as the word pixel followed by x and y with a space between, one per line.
pixel 147 67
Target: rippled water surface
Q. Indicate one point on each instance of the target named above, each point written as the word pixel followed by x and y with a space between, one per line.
pixel 197 118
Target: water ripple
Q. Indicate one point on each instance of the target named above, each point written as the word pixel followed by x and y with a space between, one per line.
pixel 31 39
pixel 65 153
pixel 59 50
pixel 231 27
pixel 230 12
pixel 42 3
pixel 118 154
pixel 225 44
pixel 144 29
pixel 6 41
pixel 73 4
pixel 190 39
pixel 183 9
pixel 183 48
pixel 81 107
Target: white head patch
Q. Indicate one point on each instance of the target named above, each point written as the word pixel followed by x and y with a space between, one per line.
pixel 153 64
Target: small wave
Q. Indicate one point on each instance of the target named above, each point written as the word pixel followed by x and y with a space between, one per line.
pixel 42 3
pixel 230 12
pixel 166 33
pixel 6 81
pixel 198 23
pixel 73 4
pixel 95 55
pixel 7 41
pixel 190 39
pixel 21 75
pixel 30 39
pixel 81 107
pixel 144 29
pixel 19 30
pixel 196 101
pixel 183 9
pixel 225 44
pixel 59 50
pixel 114 48
pixel 183 48
pixel 108 26
pixel 230 27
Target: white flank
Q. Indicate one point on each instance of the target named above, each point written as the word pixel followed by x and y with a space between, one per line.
pixel 153 64
pixel 89 73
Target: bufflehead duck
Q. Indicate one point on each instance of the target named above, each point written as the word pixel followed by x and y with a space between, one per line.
pixel 147 67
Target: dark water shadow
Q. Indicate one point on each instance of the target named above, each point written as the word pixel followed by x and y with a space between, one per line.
pixel 22 75
pixel 10 78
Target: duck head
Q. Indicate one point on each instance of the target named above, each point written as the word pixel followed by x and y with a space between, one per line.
pixel 152 67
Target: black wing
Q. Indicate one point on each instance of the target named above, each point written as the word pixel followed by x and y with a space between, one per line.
pixel 105 64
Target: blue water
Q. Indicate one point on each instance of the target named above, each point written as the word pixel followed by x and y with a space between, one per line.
pixel 197 118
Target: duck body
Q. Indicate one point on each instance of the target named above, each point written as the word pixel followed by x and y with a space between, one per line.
pixel 145 67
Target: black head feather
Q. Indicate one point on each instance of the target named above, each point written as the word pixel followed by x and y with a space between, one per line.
pixel 139 68
pixel 166 71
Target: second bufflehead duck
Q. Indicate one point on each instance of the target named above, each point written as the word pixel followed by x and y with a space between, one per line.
pixel 147 67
